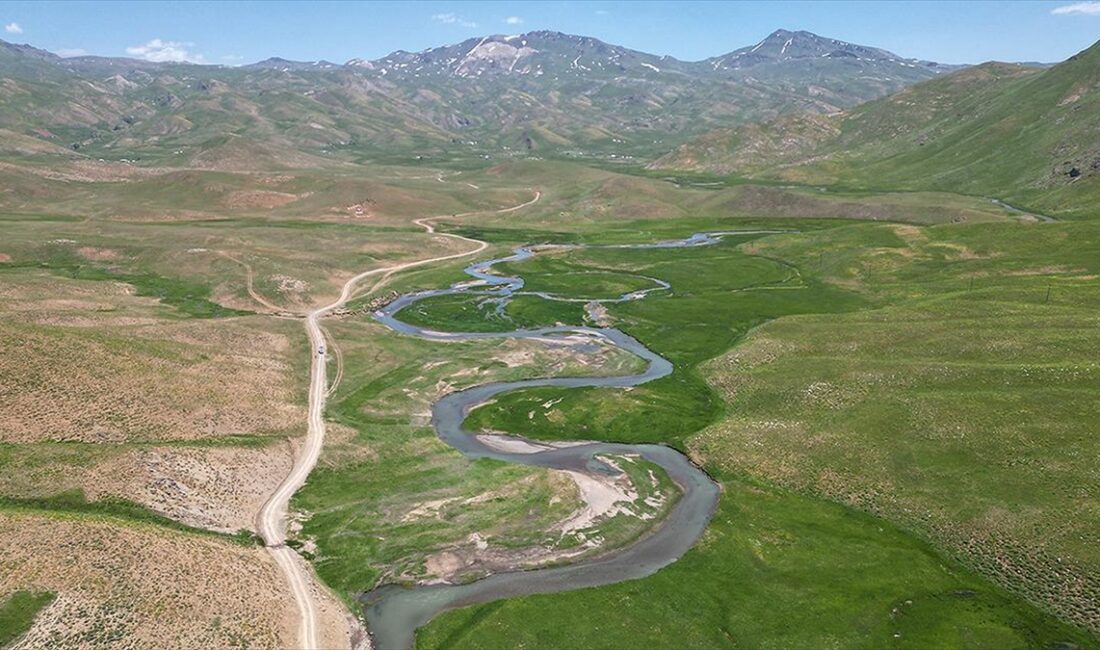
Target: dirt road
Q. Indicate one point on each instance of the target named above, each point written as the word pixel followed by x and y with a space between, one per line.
pixel 249 284
pixel 272 517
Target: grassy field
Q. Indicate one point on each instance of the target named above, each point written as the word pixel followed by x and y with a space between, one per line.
pixel 81 376
pixel 916 399
pixel 578 199
pixel 200 268
pixel 960 412
pixel 773 570
pixel 17 613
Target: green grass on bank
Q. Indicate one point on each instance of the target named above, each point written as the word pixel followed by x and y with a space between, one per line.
pixel 388 495
pixel 718 294
pixel 18 611
pixel 774 570
pixel 450 313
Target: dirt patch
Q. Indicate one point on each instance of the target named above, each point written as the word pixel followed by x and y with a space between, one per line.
pixel 478 558
pixel 514 444
pixel 360 210
pixel 4 257
pixel 279 179
pixel 604 496
pixel 215 488
pixel 558 352
pixel 289 285
pixel 912 235
pixel 444 563
pixel 601 499
pixel 97 254
pixel 960 252
pixel 598 314
pixel 265 199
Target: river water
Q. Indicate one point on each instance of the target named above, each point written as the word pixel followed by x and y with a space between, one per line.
pixel 394 612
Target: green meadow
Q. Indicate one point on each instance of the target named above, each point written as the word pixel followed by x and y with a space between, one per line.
pixel 871 397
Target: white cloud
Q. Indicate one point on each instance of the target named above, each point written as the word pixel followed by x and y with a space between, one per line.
pixel 1088 8
pixel 514 20
pixel 602 12
pixel 453 19
pixel 159 51
pixel 67 52
pixel 13 28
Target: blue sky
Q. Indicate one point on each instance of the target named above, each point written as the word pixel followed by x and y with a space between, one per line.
pixel 232 33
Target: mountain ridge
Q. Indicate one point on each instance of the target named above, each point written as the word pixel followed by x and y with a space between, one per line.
pixel 534 34
pixel 529 44
pixel 503 94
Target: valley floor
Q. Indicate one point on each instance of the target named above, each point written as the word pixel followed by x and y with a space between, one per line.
pixel 910 388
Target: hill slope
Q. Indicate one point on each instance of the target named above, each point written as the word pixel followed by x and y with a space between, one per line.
pixel 1029 136
pixel 541 91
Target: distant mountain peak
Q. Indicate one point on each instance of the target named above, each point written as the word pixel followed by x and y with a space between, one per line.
pixel 535 53
pixel 279 63
pixel 784 33
pixel 783 45
pixel 27 51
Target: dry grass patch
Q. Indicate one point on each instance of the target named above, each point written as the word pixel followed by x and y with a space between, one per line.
pixel 217 488
pixel 246 199
pixel 44 299
pixel 137 587
pixel 181 380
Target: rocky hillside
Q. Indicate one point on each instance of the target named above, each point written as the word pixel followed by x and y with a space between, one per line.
pixel 541 93
pixel 537 54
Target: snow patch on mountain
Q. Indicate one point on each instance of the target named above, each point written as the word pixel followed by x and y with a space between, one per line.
pixel 498 53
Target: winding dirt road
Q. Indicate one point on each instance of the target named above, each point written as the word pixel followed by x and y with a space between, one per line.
pixel 250 286
pixel 272 517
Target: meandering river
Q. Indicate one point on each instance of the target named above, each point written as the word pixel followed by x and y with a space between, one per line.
pixel 394 613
